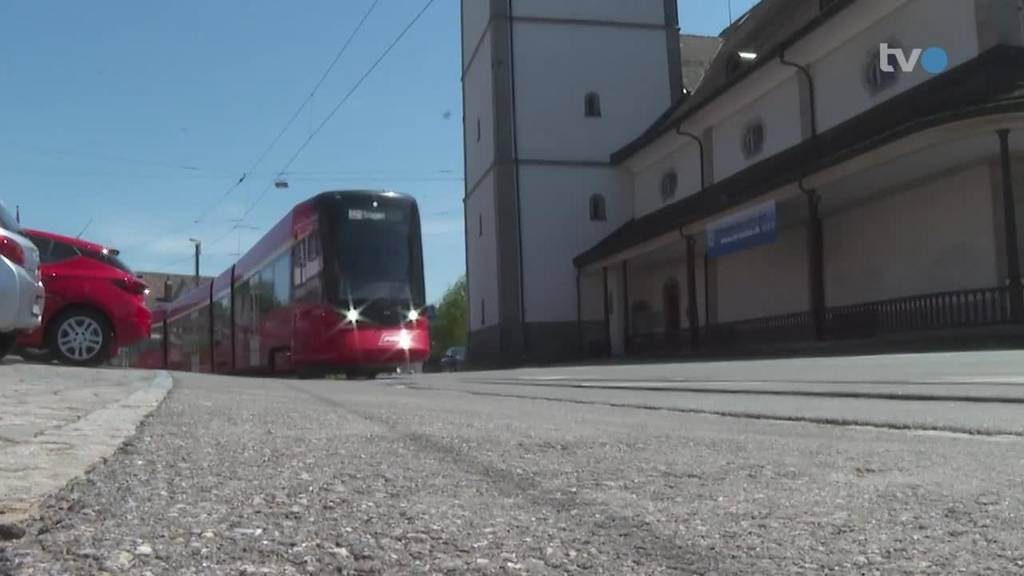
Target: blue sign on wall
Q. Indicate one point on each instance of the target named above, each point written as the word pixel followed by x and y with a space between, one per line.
pixel 750 228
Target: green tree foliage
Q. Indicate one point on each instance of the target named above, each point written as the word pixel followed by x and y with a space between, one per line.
pixel 449 326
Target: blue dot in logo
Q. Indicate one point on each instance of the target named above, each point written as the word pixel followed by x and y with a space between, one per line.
pixel 934 60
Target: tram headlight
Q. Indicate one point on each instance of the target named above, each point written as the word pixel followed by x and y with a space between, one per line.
pixel 352 316
pixel 413 315
pixel 404 340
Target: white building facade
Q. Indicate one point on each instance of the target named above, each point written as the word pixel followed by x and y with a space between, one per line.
pixel 803 189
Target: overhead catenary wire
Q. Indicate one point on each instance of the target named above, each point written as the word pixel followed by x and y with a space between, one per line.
pixel 369 172
pixel 120 160
pixel 348 95
pixel 280 134
pixel 177 261
pixel 231 231
pixel 381 178
pixel 237 223
pixel 295 115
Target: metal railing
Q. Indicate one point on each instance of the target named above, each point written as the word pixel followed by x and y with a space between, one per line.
pixel 939 311
pixel 943 310
pixel 788 326
pixel 965 308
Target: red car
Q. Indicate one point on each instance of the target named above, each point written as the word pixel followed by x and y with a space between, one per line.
pixel 95 305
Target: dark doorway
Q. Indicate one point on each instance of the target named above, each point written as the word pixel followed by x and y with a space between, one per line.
pixel 673 310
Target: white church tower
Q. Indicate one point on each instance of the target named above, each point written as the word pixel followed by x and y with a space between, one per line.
pixel 551 88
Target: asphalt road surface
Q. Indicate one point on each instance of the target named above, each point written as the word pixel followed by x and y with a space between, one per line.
pixel 633 470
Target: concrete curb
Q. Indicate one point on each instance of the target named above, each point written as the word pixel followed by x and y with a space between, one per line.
pixel 45 464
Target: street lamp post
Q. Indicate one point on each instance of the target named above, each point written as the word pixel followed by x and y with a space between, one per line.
pixel 199 251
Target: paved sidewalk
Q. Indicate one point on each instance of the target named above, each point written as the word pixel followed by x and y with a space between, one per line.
pixel 56 422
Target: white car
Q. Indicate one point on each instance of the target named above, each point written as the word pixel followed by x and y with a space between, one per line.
pixel 21 290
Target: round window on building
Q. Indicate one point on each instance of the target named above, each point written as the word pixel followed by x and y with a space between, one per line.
pixel 598 208
pixel 733 64
pixel 669 185
pixel 592 105
pixel 753 139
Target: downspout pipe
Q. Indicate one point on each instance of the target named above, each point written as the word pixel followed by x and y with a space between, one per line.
pixel 1020 16
pixel 626 323
pixel 579 312
pixel 692 313
pixel 515 166
pixel 607 311
pixel 816 255
pixel 1013 266
pixel 700 146
pixel 816 247
pixel 810 89
pixel 689 242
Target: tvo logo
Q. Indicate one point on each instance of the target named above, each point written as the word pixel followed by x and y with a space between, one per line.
pixel 934 60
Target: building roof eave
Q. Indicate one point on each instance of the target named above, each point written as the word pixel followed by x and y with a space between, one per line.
pixel 679 112
pixel 991 84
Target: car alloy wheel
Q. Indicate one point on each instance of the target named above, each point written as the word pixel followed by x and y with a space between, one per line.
pixel 80 339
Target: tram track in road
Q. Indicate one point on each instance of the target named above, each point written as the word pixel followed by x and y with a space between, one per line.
pixel 717 387
pixel 510 482
pixel 960 415
pixel 666 383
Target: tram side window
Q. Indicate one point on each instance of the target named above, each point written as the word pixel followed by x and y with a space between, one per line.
pixel 298 263
pixel 306 267
pixel 199 324
pixel 282 288
pixel 222 319
pixel 175 330
pixel 266 289
pixel 182 344
pixel 255 313
pixel 314 264
pixel 243 305
pixel 193 332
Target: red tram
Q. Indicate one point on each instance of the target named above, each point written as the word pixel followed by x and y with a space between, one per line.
pixel 336 286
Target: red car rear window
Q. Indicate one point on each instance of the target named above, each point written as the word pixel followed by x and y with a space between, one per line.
pixel 109 260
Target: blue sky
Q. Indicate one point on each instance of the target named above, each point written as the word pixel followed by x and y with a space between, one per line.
pixel 137 116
